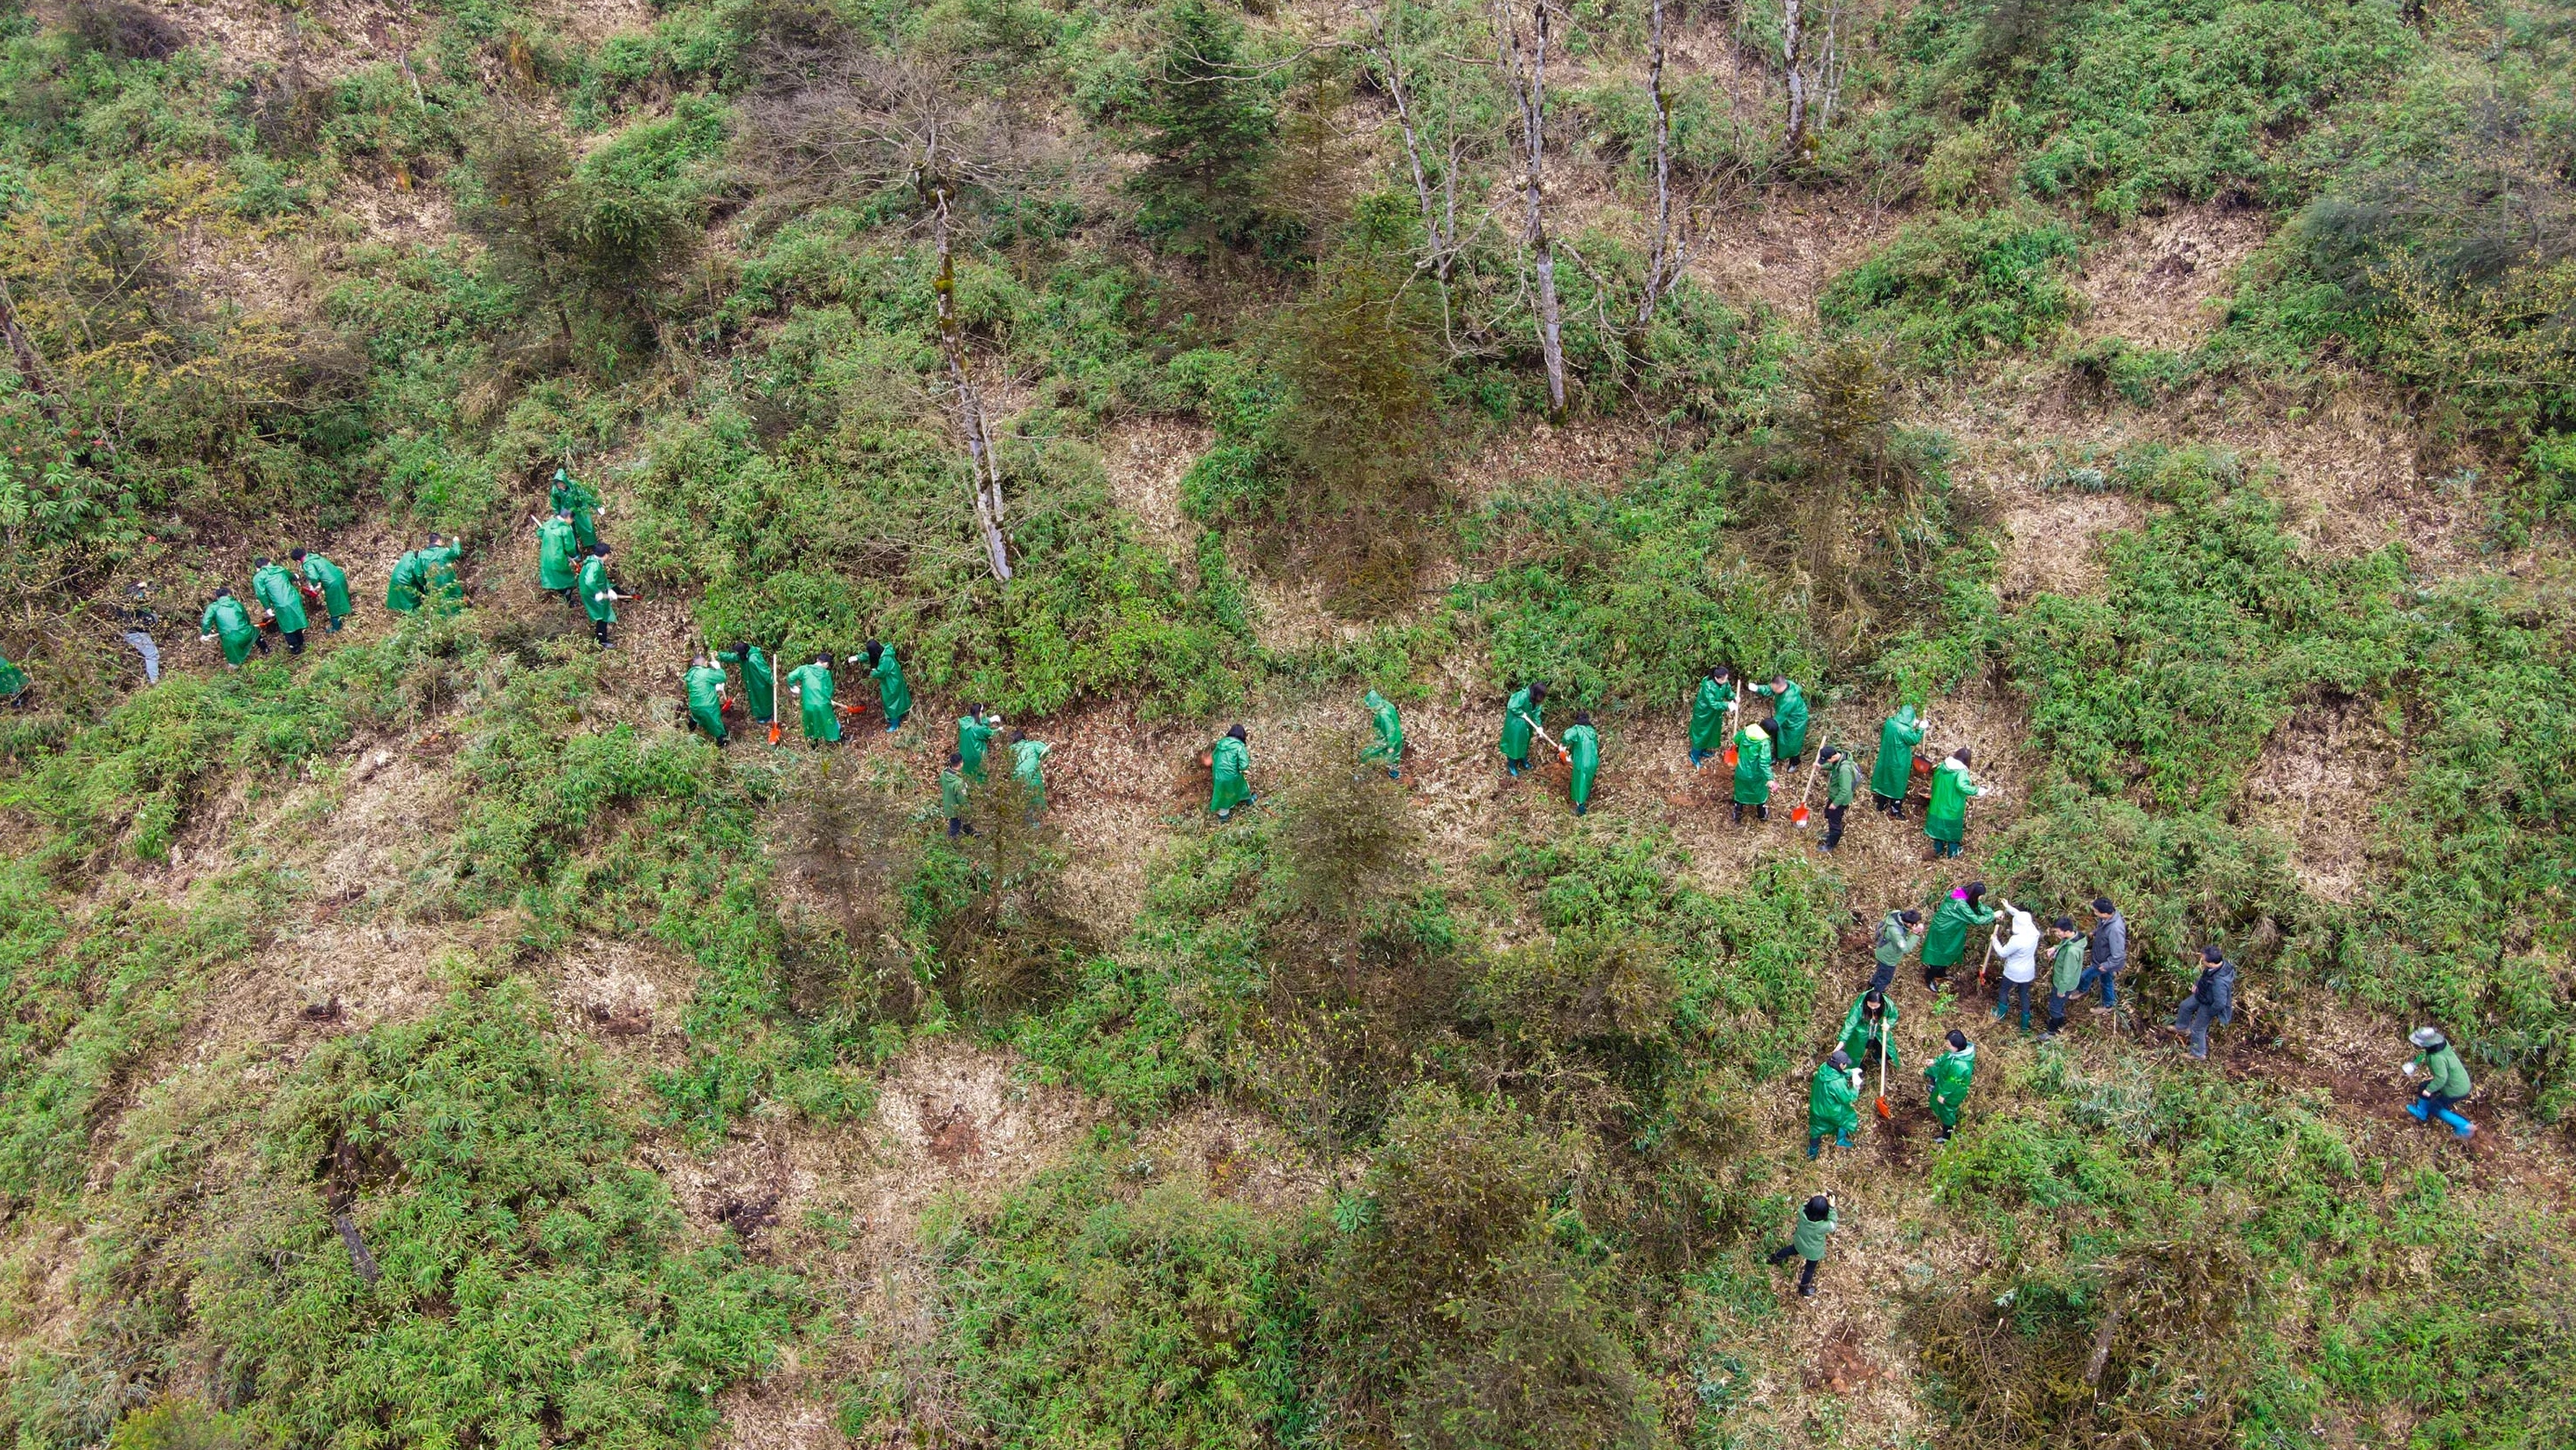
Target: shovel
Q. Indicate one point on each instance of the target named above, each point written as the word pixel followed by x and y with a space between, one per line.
pixel 1989 961
pixel 1563 755
pixel 1798 815
pixel 773 695
pixel 1884 1110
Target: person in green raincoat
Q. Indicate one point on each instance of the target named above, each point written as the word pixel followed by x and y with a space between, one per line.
pixel 1892 774
pixel 705 686
pixel 975 732
pixel 810 685
pixel 1945 820
pixel 1830 1096
pixel 598 597
pixel 1388 750
pixel 13 684
pixel 2065 970
pixel 1949 1076
pixel 1900 935
pixel 1842 782
pixel 1228 759
pixel 225 620
pixel 892 693
pixel 759 682
pixel 558 555
pixel 438 569
pixel 1583 752
pixel 1792 715
pixel 952 796
pixel 1025 755
pixel 2446 1081
pixel 1710 709
pixel 1807 1239
pixel 327 579
pixel 1752 771
pixel 283 598
pixel 1521 719
pixel 1873 1013
pixel 404 584
pixel 577 503
pixel 1946 939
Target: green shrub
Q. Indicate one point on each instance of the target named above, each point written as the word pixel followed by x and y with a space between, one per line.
pixel 1961 286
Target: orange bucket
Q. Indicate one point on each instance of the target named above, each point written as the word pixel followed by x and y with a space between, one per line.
pixel 1921 766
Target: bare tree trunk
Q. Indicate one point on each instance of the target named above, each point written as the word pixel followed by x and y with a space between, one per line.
pixel 1439 224
pixel 1529 91
pixel 1664 259
pixel 1789 62
pixel 983 461
pixel 1829 67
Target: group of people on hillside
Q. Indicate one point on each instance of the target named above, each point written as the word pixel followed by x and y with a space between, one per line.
pixel 810 686
pixel 285 601
pixel 572 560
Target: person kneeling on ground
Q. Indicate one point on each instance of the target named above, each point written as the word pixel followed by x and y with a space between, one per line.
pixel 1816 1223
pixel 704 686
pixel 2446 1081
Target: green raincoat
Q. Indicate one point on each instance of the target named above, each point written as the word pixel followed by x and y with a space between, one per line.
pixel 952 793
pixel 230 624
pixel 276 589
pixel 13 681
pixel 1855 1038
pixel 2444 1072
pixel 759 683
pixel 974 737
pixel 1950 1074
pixel 555 548
pixel 595 591
pixel 813 684
pixel 1520 714
pixel 1708 715
pixel 1584 745
pixel 1752 766
pixel 1842 782
pixel 892 692
pixel 1946 819
pixel 1892 774
pixel 1809 1235
pixel 1895 943
pixel 1229 759
pixel 1946 939
pixel 439 566
pixel 566 496
pixel 2066 967
pixel 403 585
pixel 1389 749
pixel 705 684
pixel 1792 715
pixel 1025 755
pixel 328 577
pixel 1830 1095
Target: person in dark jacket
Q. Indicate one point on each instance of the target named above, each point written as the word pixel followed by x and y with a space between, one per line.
pixel 1815 1224
pixel 2446 1081
pixel 2212 999
pixel 2105 953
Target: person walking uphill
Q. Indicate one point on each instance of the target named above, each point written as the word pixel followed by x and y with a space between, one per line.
pixel 1816 1223
pixel 759 681
pixel 1945 819
pixel 1583 756
pixel 952 797
pixel 1791 713
pixel 283 598
pixel 225 620
pixel 1900 935
pixel 2446 1081
pixel 810 686
pixel 1752 771
pixel 892 693
pixel 576 502
pixel 1830 1096
pixel 1520 721
pixel 1842 782
pixel 1892 774
pixel 2212 999
pixel 1709 711
pixel 324 579
pixel 704 685
pixel 1228 760
pixel 1866 1029
pixel 1950 1075
pixel 558 555
pixel 1946 939
pixel 2016 945
pixel 598 599
pixel 1388 748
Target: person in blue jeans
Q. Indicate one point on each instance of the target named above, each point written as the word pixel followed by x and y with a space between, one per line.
pixel 2106 953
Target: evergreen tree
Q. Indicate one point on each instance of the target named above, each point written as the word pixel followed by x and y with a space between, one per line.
pixel 1211 132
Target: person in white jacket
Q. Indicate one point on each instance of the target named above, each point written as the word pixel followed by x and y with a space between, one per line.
pixel 2017 942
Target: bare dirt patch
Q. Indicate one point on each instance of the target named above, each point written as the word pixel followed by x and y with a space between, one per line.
pixel 2161 281
pixel 2053 540
pixel 1146 458
pixel 1601 452
pixel 2317 782
pixel 1780 248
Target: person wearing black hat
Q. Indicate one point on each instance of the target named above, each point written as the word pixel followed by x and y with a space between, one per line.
pixel 1842 782
pixel 1815 1224
pixel 1950 1075
pixel 2212 999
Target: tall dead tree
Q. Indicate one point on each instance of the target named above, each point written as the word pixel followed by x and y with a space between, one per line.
pixel 1523 62
pixel 1791 64
pixel 1664 258
pixel 1440 213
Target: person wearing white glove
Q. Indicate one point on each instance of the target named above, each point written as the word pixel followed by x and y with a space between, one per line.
pixel 2017 944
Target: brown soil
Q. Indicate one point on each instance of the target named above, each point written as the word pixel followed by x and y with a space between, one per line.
pixel 2162 281
pixel 1145 458
pixel 2318 782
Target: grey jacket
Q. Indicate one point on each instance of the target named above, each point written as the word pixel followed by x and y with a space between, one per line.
pixel 2108 950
